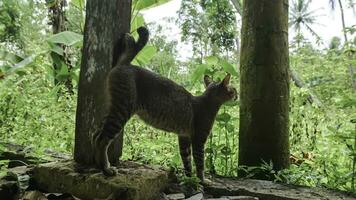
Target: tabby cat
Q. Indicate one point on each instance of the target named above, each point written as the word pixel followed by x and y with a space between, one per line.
pixel 160 103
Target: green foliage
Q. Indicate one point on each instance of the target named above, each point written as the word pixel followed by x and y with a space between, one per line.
pixel 146 4
pixel 30 112
pixel 335 43
pixel 164 60
pixel 10 21
pixel 67 38
pixel 145 55
pixel 12 62
pixel 75 16
pixel 327 133
pixel 190 182
pixel 214 66
pixel 209 25
pixel 301 16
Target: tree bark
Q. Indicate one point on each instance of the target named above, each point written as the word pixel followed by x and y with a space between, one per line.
pixel 264 84
pixel 343 20
pixel 105 22
pixel 351 68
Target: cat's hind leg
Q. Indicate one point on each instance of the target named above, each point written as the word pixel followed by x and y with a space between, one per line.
pixel 112 125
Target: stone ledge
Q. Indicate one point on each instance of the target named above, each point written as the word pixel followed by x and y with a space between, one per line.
pixel 267 190
pixel 133 182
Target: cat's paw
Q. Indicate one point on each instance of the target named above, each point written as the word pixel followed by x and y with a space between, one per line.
pixel 110 171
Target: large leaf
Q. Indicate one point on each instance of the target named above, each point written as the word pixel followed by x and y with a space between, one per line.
pixel 145 4
pixel 78 3
pixel 145 55
pixel 211 60
pixel 199 72
pixel 136 22
pixel 10 57
pixel 229 68
pixel 67 38
pixel 24 63
pixel 63 72
pixel 56 49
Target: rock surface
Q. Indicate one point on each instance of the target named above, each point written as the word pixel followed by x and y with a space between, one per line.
pixel 177 196
pixel 18 155
pixel 67 180
pixel 15 182
pixel 9 188
pixel 267 190
pixel 134 181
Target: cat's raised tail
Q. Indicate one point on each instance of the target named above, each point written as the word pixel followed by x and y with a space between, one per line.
pixel 127 48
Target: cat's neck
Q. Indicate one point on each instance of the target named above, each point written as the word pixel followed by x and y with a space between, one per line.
pixel 206 106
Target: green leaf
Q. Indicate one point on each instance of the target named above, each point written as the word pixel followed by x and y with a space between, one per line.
pixel 24 63
pixel 78 3
pixel 229 68
pixel 145 55
pixel 63 72
pixel 56 49
pixel 199 72
pixel 145 4
pixel 67 38
pixel 74 76
pixel 136 22
pixel 211 60
pixel 10 57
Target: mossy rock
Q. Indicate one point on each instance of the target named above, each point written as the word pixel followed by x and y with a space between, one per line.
pixel 133 182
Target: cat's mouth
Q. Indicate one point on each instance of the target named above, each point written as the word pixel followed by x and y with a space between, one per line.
pixel 233 94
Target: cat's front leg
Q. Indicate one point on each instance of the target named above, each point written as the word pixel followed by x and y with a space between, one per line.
pixel 185 153
pixel 198 155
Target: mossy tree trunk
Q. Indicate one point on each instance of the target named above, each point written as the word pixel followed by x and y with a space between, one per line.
pixel 105 22
pixel 264 84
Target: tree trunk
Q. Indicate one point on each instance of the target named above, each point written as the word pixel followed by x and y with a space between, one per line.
pixel 343 20
pixel 264 84
pixel 105 22
pixel 57 16
pixel 351 68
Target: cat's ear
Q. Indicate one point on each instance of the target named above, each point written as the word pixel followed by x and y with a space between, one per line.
pixel 207 80
pixel 226 80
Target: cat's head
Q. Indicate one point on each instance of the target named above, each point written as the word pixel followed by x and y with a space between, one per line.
pixel 220 91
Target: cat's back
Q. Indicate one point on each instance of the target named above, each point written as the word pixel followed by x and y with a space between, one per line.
pixel 163 103
pixel 150 82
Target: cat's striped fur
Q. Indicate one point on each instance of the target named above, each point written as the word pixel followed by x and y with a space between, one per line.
pixel 160 103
